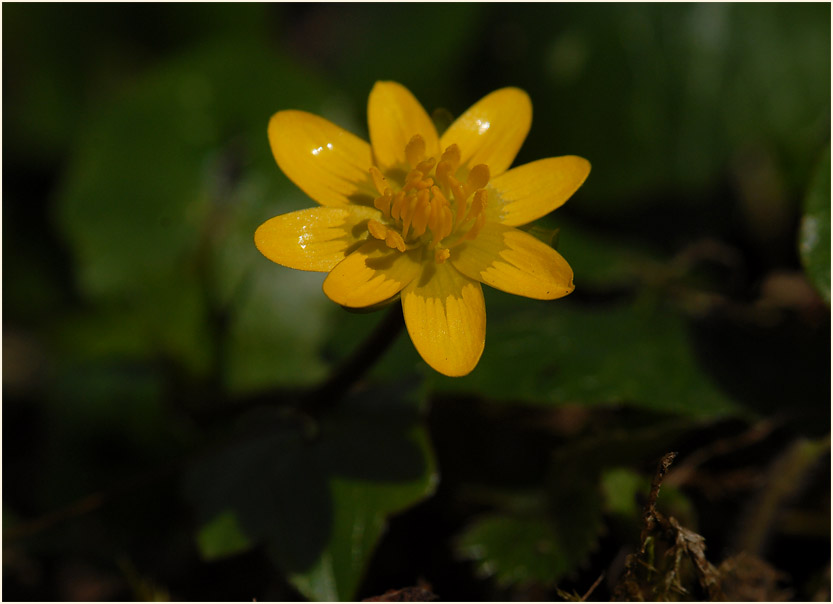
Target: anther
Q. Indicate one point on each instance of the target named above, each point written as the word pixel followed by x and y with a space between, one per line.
pixel 478 178
pixel 377 229
pixel 421 214
pixel 434 218
pixel 415 150
pixel 378 180
pixel 443 173
pixel 412 180
pixel 398 202
pixel 425 183
pixel 452 156
pixel 459 198
pixel 383 203
pixel 478 204
pixel 475 229
pixel 424 202
pixel 447 224
pixel 439 195
pixel 394 240
pixel 410 210
pixel 425 166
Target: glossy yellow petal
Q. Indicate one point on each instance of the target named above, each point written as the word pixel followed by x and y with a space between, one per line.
pixel 394 116
pixel 328 163
pixel 446 318
pixel 315 239
pixel 515 262
pixel 492 130
pixel 526 193
pixel 371 274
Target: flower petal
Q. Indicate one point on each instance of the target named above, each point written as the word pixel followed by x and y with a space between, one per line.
pixel 394 116
pixel 514 262
pixel 526 193
pixel 315 239
pixel 492 130
pixel 328 163
pixel 371 274
pixel 446 318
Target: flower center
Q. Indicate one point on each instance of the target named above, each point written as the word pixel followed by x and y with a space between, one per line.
pixel 431 208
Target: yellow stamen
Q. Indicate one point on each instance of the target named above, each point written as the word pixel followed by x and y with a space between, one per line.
pixel 377 229
pixel 452 156
pixel 426 166
pixel 394 240
pixel 378 180
pixel 475 229
pixel 459 197
pixel 447 222
pixel 425 183
pixel 383 203
pixel 478 178
pixel 443 173
pixel 398 202
pixel 415 150
pixel 434 219
pixel 410 208
pixel 430 199
pixel 478 204
pixel 438 194
pixel 421 215
pixel 412 180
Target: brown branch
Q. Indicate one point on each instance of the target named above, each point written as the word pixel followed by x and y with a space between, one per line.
pixel 354 367
pixel 650 516
pixel 593 587
pixel 628 588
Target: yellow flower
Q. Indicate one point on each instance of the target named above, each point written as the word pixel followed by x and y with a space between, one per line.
pixel 425 216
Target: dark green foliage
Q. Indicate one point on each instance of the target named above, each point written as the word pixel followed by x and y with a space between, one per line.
pixel 156 367
pixel 317 495
pixel 814 239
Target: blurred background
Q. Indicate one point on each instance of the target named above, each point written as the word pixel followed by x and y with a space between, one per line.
pixel 153 359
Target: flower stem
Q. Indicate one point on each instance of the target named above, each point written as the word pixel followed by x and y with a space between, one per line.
pixel 354 367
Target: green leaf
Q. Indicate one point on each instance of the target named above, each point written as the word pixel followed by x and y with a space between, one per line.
pixel 515 551
pixel 537 540
pixel 604 261
pixel 814 237
pixel 554 353
pixel 317 496
pixel 166 188
pixel 621 487
pixel 51 98
pixel 731 79
pixel 538 549
pixel 222 537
